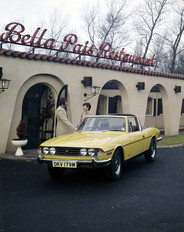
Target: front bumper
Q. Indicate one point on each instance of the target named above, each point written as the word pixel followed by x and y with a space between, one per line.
pixel 93 163
pixel 159 139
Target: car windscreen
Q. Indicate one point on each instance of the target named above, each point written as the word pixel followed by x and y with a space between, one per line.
pixel 103 124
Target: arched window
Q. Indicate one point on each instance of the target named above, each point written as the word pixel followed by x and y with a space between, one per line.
pixel 182 107
pixel 160 108
pixel 149 109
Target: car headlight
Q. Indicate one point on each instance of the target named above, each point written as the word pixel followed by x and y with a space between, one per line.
pixel 91 152
pixel 52 150
pixel 45 150
pixel 83 151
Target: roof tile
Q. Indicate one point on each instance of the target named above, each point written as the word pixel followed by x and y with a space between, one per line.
pixel 29 56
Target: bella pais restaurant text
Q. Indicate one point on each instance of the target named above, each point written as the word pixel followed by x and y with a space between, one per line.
pixel 14 35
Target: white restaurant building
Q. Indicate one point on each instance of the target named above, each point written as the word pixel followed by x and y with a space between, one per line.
pixel 39 80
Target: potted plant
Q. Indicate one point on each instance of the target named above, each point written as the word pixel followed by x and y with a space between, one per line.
pixel 21 140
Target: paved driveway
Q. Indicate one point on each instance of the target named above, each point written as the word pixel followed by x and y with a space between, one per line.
pixel 148 197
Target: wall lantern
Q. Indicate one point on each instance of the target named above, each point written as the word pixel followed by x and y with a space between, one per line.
pixel 87 81
pixel 177 89
pixel 140 85
pixel 4 83
pixel 94 91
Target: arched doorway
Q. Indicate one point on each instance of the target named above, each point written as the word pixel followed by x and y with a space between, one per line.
pixel 38 111
pixel 181 127
pixel 154 110
pixel 110 99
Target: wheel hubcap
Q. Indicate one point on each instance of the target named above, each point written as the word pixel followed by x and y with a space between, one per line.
pixel 153 151
pixel 117 166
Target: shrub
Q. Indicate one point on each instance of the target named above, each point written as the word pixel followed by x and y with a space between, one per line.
pixel 21 129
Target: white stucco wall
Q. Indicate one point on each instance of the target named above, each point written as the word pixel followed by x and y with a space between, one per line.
pixel 24 73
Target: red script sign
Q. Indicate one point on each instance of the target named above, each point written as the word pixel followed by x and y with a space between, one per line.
pixel 14 35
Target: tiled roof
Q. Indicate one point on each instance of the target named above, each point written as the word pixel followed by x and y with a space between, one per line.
pixel 33 56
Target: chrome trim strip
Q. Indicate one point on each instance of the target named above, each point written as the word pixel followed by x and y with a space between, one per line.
pixel 102 161
pixel 94 160
pixel 159 139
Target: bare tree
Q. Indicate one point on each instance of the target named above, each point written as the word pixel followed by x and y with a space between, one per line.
pixel 149 23
pixel 108 27
pixel 159 47
pixel 175 41
pixel 56 27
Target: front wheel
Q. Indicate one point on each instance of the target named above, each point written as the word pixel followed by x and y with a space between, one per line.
pixel 114 169
pixel 55 173
pixel 150 155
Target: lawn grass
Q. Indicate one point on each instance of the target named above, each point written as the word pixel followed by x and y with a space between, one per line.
pixel 171 140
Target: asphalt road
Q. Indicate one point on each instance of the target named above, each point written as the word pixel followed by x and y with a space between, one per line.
pixel 148 197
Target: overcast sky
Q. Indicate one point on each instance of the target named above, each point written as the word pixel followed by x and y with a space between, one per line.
pixel 34 10
pixel 31 13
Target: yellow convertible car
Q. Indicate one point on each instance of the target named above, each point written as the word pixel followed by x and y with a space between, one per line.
pixel 105 141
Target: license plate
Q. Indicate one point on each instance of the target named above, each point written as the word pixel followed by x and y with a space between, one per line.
pixel 64 164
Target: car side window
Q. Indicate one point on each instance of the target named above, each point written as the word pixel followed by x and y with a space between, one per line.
pixel 132 124
pixel 129 126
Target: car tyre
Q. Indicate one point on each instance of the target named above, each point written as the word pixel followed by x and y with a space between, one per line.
pixel 114 169
pixel 55 173
pixel 150 155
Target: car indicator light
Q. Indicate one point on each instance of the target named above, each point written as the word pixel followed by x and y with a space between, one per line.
pixel 100 152
pixel 39 150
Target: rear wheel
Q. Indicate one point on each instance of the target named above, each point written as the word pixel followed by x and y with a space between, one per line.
pixel 55 173
pixel 150 155
pixel 114 169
